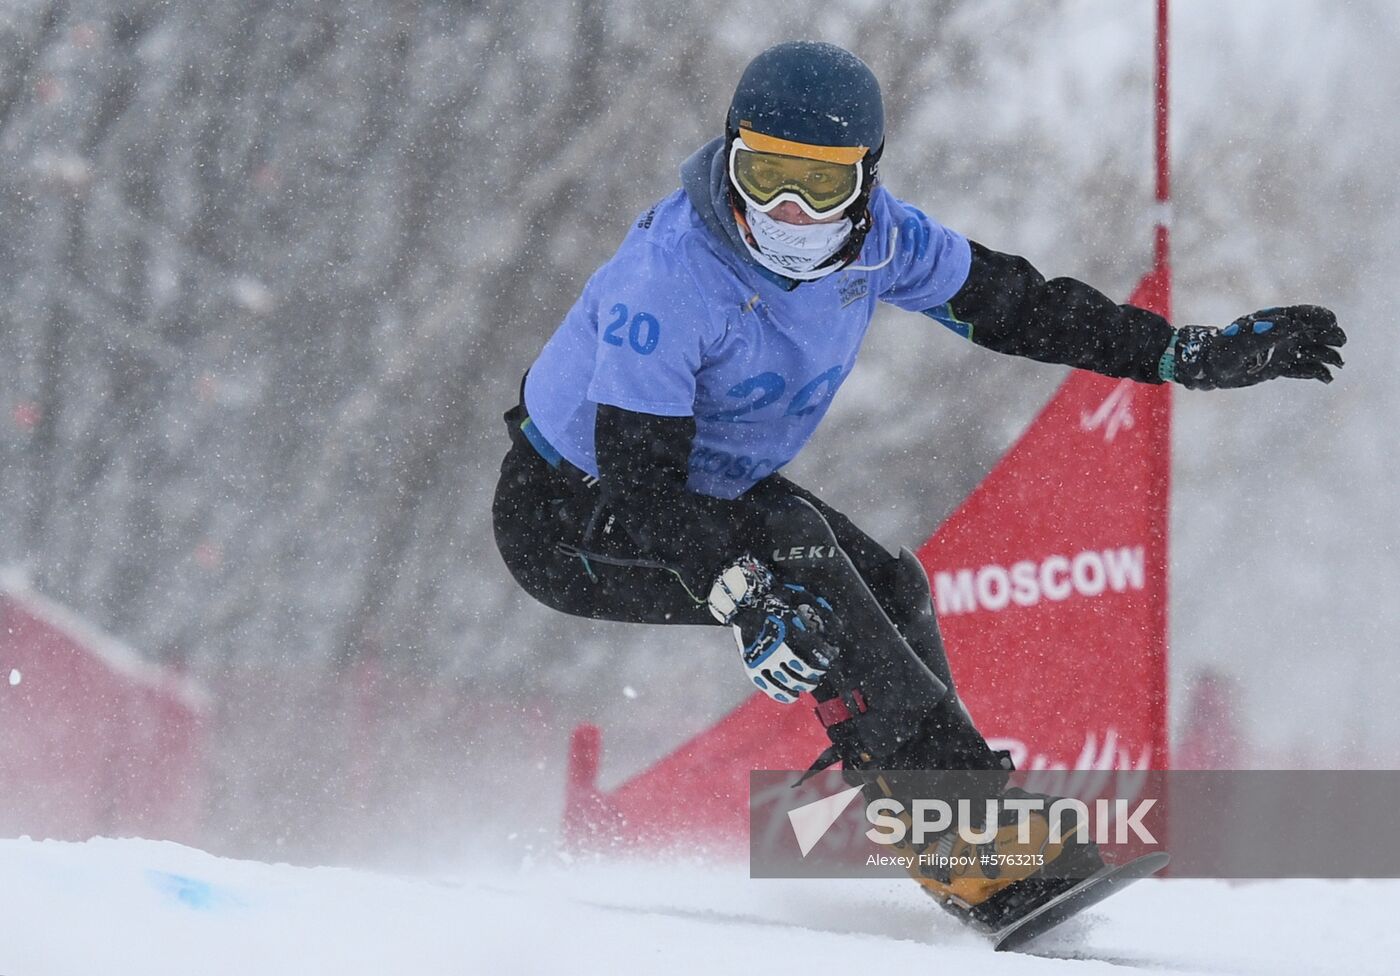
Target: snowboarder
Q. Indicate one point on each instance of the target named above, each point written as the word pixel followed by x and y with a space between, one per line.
pixel 643 482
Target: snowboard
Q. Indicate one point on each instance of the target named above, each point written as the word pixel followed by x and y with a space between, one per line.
pixel 1066 905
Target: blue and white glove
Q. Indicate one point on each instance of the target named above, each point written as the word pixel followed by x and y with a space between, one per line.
pixel 782 630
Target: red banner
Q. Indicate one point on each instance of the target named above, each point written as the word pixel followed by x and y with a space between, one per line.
pixel 93 739
pixel 1050 582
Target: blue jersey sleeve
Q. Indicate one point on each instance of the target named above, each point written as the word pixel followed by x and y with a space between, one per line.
pixel 653 326
pixel 931 262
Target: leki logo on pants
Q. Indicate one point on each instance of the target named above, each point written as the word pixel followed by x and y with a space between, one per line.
pixel 803 552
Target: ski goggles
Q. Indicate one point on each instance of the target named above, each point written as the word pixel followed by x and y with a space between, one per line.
pixel 820 179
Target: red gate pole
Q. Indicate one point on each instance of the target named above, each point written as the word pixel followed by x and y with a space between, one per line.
pixel 1164 190
pixel 1162 272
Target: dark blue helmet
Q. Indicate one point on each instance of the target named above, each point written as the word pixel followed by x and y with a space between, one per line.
pixel 813 93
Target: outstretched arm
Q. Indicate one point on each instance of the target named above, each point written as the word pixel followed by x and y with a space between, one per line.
pixel 1008 306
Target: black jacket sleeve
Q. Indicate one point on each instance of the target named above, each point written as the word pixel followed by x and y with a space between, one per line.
pixel 1008 306
pixel 643 464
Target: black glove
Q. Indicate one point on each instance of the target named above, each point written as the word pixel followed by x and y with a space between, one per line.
pixel 1295 341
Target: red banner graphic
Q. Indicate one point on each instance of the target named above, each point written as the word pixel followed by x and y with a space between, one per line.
pixel 1050 583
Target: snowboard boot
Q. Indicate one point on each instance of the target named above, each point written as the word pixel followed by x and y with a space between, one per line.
pixel 989 884
pixel 1000 879
pixel 996 882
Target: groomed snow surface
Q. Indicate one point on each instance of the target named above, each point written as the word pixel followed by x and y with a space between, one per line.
pixel 116 907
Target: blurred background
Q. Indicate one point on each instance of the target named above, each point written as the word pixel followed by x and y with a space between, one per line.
pixel 270 272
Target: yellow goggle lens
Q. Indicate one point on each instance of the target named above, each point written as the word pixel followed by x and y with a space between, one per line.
pixel 825 186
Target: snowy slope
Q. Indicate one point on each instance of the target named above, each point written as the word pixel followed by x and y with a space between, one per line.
pixel 121 907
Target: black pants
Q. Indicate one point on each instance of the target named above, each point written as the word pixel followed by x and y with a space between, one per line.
pixel 569 551
pixel 548 523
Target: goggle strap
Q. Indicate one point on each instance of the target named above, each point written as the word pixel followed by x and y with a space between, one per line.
pixel 759 142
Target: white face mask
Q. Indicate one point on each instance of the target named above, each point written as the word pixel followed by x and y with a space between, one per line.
pixel 795 250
